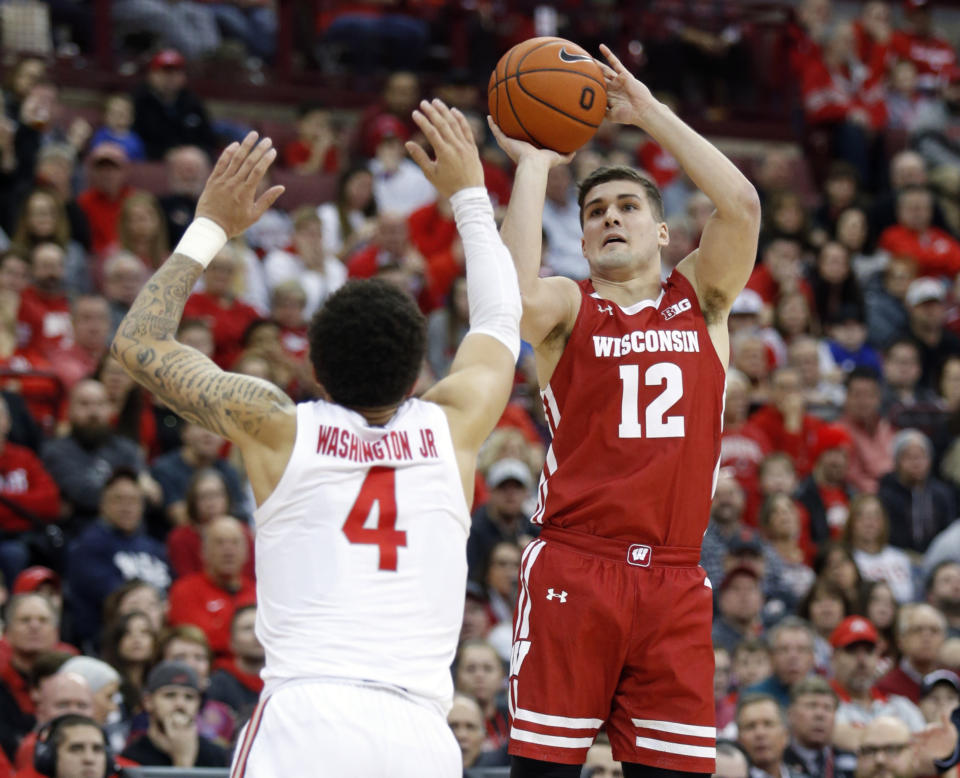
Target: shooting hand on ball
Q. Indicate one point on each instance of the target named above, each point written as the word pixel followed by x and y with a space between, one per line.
pixel 457 164
pixel 628 99
pixel 517 149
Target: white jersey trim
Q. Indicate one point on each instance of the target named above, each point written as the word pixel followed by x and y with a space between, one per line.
pixel 550 740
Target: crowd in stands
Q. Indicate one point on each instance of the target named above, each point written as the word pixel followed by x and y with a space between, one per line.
pixel 833 546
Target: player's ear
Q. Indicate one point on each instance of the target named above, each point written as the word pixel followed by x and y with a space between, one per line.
pixel 663 234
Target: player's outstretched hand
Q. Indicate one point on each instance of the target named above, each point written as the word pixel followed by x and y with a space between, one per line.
pixel 516 149
pixel 457 165
pixel 229 196
pixel 938 741
pixel 627 98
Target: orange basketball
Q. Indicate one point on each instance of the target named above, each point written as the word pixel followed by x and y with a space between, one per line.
pixel 548 91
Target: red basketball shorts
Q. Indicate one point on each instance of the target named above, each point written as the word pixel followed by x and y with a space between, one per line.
pixel 616 636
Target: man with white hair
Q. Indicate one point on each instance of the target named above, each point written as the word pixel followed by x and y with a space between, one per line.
pixel 104 683
pixel 922 504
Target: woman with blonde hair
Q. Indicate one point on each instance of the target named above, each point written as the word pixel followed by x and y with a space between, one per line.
pixel 867 534
pixel 142 229
pixel 43 218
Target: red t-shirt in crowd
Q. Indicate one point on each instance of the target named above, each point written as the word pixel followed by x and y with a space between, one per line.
pixel 798 446
pixel 430 230
pixel 198 599
pixel 297 152
pixel 31 376
pixel 45 320
pixel 103 214
pixel 24 482
pixel 936 252
pixel 251 681
pixel 228 322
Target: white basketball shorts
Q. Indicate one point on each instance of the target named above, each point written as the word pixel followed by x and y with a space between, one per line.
pixel 321 728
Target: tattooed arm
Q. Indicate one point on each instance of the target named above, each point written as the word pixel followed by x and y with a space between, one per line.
pixel 241 408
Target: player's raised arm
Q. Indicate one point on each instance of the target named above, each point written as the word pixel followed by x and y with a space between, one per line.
pixel 728 247
pixel 238 407
pixel 476 391
pixel 547 302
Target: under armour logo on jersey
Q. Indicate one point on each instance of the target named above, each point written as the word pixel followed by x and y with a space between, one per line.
pixel 551 594
pixel 676 309
pixel 639 555
pixel 608 309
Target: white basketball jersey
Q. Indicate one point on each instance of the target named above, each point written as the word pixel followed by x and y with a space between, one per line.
pixel 361 553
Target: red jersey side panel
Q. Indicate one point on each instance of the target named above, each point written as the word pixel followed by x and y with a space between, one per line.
pixel 635 407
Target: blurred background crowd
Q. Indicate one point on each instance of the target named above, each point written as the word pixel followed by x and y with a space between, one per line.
pixel 126 539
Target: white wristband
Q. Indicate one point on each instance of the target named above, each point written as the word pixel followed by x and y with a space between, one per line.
pixel 202 241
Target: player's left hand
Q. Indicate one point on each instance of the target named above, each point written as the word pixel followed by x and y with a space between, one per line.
pixel 458 161
pixel 628 99
pixel 229 196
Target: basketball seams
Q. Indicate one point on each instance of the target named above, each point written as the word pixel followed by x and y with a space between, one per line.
pixel 552 107
pixel 516 116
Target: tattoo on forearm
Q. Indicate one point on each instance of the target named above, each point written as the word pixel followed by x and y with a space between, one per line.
pixel 182 377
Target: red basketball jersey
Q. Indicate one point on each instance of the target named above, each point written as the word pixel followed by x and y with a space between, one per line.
pixel 635 406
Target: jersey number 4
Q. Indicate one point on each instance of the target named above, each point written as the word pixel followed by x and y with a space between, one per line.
pixel 659 425
pixel 379 488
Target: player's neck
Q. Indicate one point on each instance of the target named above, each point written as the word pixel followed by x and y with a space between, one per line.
pixel 626 286
pixel 377 417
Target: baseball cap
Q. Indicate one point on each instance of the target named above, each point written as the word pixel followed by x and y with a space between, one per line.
pixel 386 126
pixel 167 58
pixel 923 290
pixel 508 469
pixel 108 152
pixel 745 543
pixel 853 629
pixel 736 572
pixel 748 303
pixel 33 578
pixel 930 680
pixel 172 674
pixel 831 436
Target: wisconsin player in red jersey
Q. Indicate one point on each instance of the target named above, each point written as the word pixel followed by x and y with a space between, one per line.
pixel 612 625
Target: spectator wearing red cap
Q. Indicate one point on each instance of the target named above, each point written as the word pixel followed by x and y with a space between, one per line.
pixel 932 55
pixel 740 604
pixel 167 113
pixel 209 599
pixel 921 631
pixel 854 665
pixel 28 495
pixel 922 504
pixel 401 93
pixel 399 185
pixel 101 202
pixel 826 492
pixel 871 435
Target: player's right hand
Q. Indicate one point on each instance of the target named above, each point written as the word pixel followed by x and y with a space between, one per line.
pixel 518 149
pixel 457 165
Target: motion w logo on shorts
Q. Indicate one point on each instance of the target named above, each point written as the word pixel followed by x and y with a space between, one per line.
pixel 639 555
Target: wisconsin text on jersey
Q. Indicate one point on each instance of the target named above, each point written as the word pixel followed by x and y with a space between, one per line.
pixel 646 340
pixel 341 443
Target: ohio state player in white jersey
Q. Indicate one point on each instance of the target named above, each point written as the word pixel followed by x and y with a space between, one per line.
pixel 363 496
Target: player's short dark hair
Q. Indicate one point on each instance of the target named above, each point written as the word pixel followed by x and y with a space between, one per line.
pixel 367 343
pixel 68 720
pixel 621 173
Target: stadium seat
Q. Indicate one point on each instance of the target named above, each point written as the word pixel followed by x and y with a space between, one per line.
pixel 304 190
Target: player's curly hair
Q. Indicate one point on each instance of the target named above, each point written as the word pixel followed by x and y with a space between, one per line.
pixel 621 173
pixel 367 343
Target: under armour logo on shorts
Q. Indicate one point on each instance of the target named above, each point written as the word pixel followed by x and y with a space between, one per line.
pixel 551 594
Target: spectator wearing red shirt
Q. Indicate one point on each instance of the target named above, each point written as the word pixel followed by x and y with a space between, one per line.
pixel 921 631
pixel 826 493
pixel 933 56
pixel 426 278
pixel 871 435
pixel 432 228
pixel 44 307
pixel 934 251
pixel 27 494
pixel 786 423
pixel 872 33
pixel 315 149
pixel 400 96
pixel 780 270
pixel 209 599
pixel 101 201
pixel 207 499
pixel 218 305
pixel 742 445
pixel 90 318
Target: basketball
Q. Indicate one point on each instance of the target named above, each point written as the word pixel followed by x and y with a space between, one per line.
pixel 549 92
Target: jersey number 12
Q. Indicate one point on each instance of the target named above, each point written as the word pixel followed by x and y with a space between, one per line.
pixel 379 488
pixel 659 425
